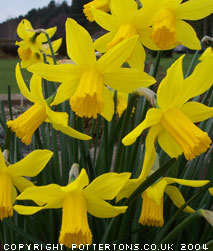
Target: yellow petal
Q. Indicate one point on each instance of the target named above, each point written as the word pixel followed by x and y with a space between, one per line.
pixel 36 88
pixel 22 183
pixel 138 57
pixel 153 117
pixel 127 190
pixel 101 43
pixel 80 47
pixel 211 191
pixel 197 112
pixel 71 132
pixel 106 21
pixel 45 194
pixel 199 81
pixel 125 10
pixel 58 73
pixel 108 110
pixel 128 80
pixel 31 165
pixel 21 84
pixel 24 28
pixel 177 198
pixel 207 53
pixel 171 87
pixel 43 38
pixel 168 144
pixel 60 118
pixel 194 9
pixel 191 183
pixel 102 209
pixel 187 36
pixel 146 40
pixel 106 186
pixel 78 184
pixel 116 56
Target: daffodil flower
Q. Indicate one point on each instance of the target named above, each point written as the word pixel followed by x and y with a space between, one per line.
pixel 12 177
pixel 172 121
pixel 32 45
pixel 76 199
pixel 103 5
pixel 84 82
pixel 26 124
pixel 166 20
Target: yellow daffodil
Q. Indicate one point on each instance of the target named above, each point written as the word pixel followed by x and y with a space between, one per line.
pixel 172 121
pixel 26 124
pixel 103 5
pixel 34 44
pixel 207 53
pixel 76 199
pixel 166 20
pixel 84 82
pixel 11 177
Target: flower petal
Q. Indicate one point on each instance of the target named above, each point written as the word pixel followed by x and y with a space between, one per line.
pixel 153 117
pixel 31 165
pixel 138 57
pixel 169 145
pixel 186 35
pixel 106 186
pixel 80 47
pixel 127 79
pixel 171 87
pixel 177 198
pixel 102 209
pixel 146 40
pixel 36 88
pixel 194 9
pixel 191 183
pixel 101 42
pixel 197 112
pixel 127 190
pixel 45 194
pixel 58 73
pixel 108 110
pixel 71 132
pixel 57 117
pixel 106 21
pixel 22 86
pixel 22 183
pixel 116 56
pixel 24 29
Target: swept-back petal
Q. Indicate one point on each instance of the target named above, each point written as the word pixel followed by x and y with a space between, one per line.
pixel 22 86
pixel 101 43
pixel 71 132
pixel 153 117
pixel 106 186
pixel 102 209
pixel 199 81
pixel 197 112
pixel 36 88
pixel 138 57
pixel 105 20
pixel 31 165
pixel 194 9
pixel 128 189
pixel 79 183
pixel 43 38
pixel 191 183
pixel 127 79
pixel 169 145
pixel 22 183
pixel 146 40
pixel 57 73
pixel 24 29
pixel 116 56
pixel 125 10
pixel 2 161
pixel 45 194
pixel 177 198
pixel 57 117
pixel 186 35
pixel 171 86
pixel 80 47
pixel 108 110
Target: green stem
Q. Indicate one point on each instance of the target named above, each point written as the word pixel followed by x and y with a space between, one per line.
pixel 157 63
pixel 191 66
pixel 51 48
pixel 8 139
pixel 106 146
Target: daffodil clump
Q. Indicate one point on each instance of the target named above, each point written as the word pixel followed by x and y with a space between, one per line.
pixel 94 176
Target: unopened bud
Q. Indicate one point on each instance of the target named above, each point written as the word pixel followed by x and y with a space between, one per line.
pixel 74 172
pixel 148 94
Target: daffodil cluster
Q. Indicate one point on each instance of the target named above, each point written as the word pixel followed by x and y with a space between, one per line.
pixel 96 86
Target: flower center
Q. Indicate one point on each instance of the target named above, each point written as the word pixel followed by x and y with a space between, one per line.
pixel 97 4
pixel 26 124
pixel 164 33
pixel 75 228
pixel 124 32
pixel 24 54
pixel 6 208
pixel 192 140
pixel 87 100
pixel 152 213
